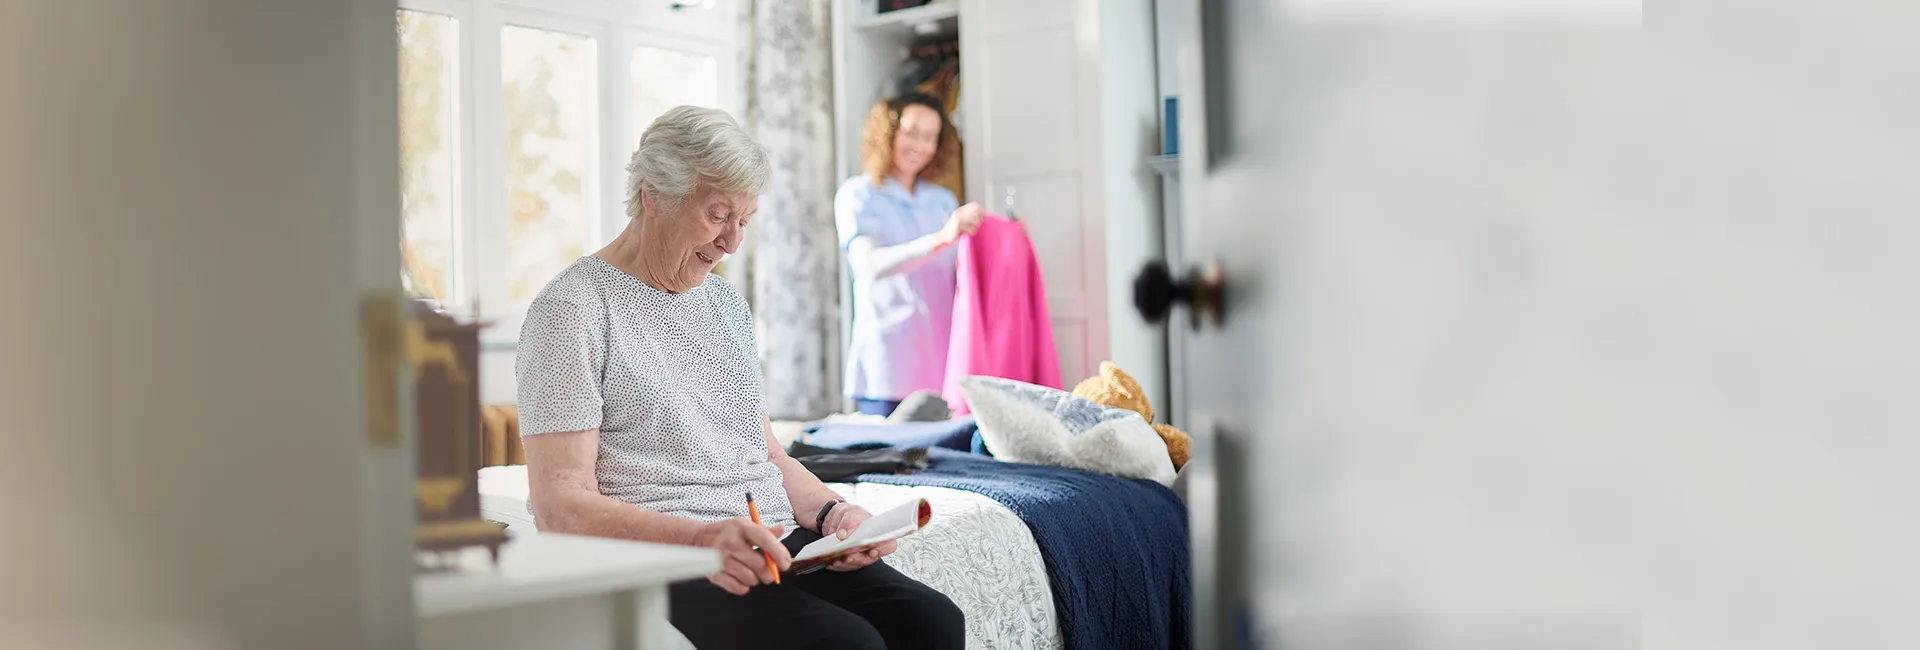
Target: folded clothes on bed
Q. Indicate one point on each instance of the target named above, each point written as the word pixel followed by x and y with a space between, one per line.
pixel 1115 549
pixel 956 434
pixel 832 465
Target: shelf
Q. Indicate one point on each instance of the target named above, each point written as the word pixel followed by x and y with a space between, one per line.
pixel 1168 165
pixel 554 567
pixel 944 14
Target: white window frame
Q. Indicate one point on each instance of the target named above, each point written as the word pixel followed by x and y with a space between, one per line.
pixel 617 26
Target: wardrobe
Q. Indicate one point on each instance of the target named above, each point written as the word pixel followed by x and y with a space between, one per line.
pixel 1058 114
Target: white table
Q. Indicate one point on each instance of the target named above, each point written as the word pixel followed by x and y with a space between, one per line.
pixel 558 591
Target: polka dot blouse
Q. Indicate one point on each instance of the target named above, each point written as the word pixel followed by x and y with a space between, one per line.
pixel 672 381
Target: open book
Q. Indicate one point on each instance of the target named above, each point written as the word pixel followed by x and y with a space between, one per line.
pixel 894 523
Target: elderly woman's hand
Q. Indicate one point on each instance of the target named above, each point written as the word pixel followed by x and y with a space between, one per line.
pixel 741 565
pixel 841 522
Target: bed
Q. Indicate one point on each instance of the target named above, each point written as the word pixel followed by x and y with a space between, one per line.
pixel 975 551
pixel 1036 557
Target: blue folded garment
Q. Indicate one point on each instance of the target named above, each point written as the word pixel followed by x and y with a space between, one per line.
pixel 957 434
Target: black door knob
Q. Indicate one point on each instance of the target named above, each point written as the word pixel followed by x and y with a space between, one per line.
pixel 1156 291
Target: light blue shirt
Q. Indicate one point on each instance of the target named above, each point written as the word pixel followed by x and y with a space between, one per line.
pixel 900 322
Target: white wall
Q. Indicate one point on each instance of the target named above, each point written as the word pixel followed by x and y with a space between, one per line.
pixel 198 192
pixel 1130 133
pixel 1166 31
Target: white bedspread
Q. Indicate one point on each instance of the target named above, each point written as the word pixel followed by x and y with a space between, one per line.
pixel 980 555
pixel 974 550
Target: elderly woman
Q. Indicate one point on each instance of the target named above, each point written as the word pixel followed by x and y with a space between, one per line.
pixel 897 230
pixel 641 403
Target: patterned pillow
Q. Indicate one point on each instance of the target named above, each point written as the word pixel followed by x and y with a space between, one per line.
pixel 1027 423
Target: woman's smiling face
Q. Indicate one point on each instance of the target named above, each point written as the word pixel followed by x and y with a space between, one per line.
pixel 690 239
pixel 917 139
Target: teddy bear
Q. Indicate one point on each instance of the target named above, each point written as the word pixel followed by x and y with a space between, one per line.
pixel 1113 387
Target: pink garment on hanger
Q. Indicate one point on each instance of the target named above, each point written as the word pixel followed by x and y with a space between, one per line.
pixel 1000 323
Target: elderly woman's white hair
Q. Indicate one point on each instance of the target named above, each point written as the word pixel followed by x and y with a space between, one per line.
pixel 687 146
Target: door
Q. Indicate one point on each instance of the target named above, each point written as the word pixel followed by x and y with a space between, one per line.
pixel 1377 284
pixel 1497 277
pixel 1029 83
pixel 200 195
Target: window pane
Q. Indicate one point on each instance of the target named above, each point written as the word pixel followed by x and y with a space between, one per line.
pixel 664 78
pixel 427 97
pixel 550 106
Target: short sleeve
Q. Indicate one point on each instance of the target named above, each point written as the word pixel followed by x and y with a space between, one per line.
pixel 559 366
pixel 850 214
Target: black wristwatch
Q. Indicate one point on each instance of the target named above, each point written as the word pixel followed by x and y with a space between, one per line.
pixel 820 522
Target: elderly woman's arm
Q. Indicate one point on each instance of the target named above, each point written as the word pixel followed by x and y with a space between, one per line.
pixel 804 491
pixel 566 499
pixel 566 495
pixel 808 495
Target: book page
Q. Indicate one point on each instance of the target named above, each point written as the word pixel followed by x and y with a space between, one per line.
pixel 893 523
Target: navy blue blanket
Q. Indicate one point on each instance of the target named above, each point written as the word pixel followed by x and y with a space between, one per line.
pixel 1115 548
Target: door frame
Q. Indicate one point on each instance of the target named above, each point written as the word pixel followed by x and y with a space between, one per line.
pixel 382 488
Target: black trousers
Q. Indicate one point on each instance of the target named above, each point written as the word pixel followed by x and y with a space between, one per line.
pixel 873 608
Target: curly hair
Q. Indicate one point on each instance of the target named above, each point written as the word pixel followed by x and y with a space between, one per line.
pixel 883 123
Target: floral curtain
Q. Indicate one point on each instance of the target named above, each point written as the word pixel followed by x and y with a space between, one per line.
pixel 792 279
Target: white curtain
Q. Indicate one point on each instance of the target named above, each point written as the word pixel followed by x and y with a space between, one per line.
pixel 792 279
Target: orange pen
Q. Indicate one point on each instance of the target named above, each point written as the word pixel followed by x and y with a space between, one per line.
pixel 755 513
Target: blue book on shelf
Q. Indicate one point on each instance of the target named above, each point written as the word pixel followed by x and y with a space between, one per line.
pixel 1170 127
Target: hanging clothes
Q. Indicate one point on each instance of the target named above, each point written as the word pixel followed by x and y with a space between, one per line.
pixel 923 63
pixel 911 73
pixel 1001 327
pixel 938 83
